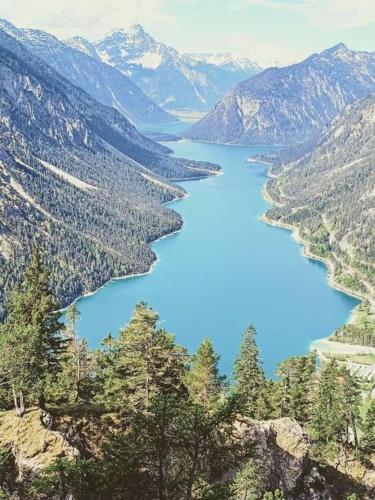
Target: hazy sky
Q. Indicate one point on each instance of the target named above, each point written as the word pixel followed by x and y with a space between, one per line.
pixel 265 30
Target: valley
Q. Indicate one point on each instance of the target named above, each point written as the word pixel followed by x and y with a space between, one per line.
pixel 226 274
pixel 187 250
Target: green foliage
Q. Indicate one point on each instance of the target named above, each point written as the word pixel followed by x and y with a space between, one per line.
pixel 32 344
pixel 6 471
pixel 362 332
pixel 175 434
pixel 275 495
pixel 203 381
pixel 296 387
pixel 75 379
pixel 249 380
pixel 336 407
pixel 245 485
pixel 143 363
pixel 83 479
pixel 368 429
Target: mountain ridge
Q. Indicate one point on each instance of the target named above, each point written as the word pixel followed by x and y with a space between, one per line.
pixel 327 192
pixel 78 176
pixel 289 105
pixel 101 81
pixel 173 80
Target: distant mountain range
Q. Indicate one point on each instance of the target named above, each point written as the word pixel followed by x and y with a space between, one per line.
pixel 78 176
pixel 85 70
pixel 292 104
pixel 327 191
pixel 171 79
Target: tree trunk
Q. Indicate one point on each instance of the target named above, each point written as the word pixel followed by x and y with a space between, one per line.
pixel 355 435
pixel 42 401
pixel 19 403
pixel 195 458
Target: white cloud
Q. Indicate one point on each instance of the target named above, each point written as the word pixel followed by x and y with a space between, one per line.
pixel 265 54
pixel 90 18
pixel 332 15
pixel 328 15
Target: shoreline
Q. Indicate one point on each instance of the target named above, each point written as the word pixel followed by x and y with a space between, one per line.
pixel 132 275
pixel 153 263
pixel 262 162
pixel 324 345
pixel 236 145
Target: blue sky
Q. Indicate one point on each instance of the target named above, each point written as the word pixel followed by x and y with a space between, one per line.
pixel 268 31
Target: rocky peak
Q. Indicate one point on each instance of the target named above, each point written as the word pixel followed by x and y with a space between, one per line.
pixel 83 45
pixel 9 28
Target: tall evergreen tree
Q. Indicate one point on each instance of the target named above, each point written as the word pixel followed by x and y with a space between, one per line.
pixel 368 428
pixel 245 485
pixel 75 378
pixel 297 381
pixel 328 420
pixel 143 362
pixel 336 407
pixel 204 383
pixel 351 400
pixel 249 379
pixel 33 314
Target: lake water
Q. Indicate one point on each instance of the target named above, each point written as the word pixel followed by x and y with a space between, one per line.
pixel 225 270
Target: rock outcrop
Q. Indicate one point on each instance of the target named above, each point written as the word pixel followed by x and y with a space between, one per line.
pixel 280 450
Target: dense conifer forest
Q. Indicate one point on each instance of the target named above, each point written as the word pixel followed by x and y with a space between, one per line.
pixel 167 421
pixel 325 188
pixel 81 177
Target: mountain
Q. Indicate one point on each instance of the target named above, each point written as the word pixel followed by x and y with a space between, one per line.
pixel 292 104
pixel 77 176
pixel 228 62
pixel 328 193
pixel 173 80
pixel 86 70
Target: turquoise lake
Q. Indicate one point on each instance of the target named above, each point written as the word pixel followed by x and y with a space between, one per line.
pixel 225 270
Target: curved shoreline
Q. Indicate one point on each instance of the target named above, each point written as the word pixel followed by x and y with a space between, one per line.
pixel 132 275
pixel 320 345
pixel 153 263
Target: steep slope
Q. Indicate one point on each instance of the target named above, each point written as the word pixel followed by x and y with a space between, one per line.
pixel 172 80
pixel 282 453
pixel 328 193
pixel 77 175
pixel 292 104
pixel 101 81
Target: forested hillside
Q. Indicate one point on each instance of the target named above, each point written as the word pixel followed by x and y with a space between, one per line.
pixel 327 191
pixel 289 105
pixel 142 419
pixel 77 176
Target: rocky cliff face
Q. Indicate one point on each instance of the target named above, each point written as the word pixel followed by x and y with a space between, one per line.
pixel 85 70
pixel 173 80
pixel 292 104
pixel 281 453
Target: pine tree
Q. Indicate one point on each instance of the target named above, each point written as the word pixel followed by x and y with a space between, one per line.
pixel 75 378
pixel 297 380
pixel 204 383
pixel 245 485
pixel 368 429
pixel 336 406
pixel 351 400
pixel 33 322
pixel 143 362
pixel 328 422
pixel 249 379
